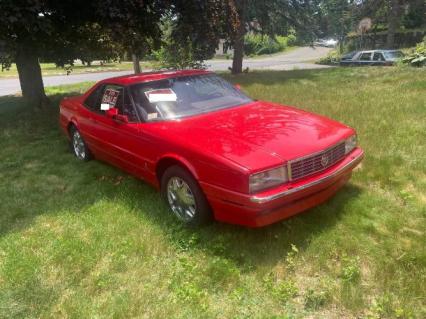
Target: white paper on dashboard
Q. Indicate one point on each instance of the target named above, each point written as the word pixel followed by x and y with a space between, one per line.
pixel 161 95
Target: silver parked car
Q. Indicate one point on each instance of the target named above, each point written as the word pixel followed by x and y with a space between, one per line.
pixel 328 43
pixel 371 57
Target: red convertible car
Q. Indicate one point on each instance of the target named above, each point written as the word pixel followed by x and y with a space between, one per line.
pixel 211 150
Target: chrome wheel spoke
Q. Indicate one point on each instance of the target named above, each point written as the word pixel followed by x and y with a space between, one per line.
pixel 181 199
pixel 191 211
pixel 172 195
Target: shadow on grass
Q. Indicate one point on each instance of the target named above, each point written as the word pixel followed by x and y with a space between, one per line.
pixel 40 176
pixel 250 248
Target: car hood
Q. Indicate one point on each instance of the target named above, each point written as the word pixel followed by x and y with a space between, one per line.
pixel 258 135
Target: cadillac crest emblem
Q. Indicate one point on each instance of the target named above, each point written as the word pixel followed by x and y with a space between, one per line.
pixel 324 160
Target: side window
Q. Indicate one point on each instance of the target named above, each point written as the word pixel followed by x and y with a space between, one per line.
pixel 128 108
pixel 365 56
pixel 92 101
pixel 112 96
pixel 118 97
pixel 378 57
pixel 148 110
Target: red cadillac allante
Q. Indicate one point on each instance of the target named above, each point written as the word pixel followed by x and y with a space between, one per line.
pixel 211 150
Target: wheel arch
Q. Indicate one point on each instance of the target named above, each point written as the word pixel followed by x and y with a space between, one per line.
pixel 169 160
pixel 71 123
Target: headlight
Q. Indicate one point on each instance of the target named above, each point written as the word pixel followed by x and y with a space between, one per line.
pixel 350 144
pixel 269 178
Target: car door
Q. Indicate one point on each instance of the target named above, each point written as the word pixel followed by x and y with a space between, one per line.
pixel 365 58
pixel 378 58
pixel 115 141
pixel 87 120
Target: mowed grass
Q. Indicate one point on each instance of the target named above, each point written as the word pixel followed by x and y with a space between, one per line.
pixel 51 69
pixel 85 240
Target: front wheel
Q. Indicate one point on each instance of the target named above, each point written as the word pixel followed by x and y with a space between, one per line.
pixel 185 197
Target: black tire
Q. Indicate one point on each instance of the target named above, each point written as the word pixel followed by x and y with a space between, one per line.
pixel 202 214
pixel 78 145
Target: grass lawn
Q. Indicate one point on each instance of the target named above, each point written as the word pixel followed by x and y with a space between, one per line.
pixel 84 240
pixel 51 69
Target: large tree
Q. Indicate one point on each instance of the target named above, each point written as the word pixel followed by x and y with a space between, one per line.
pixel 270 17
pixel 195 27
pixel 31 30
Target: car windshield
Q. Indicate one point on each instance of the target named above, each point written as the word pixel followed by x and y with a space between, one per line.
pixel 185 96
pixel 393 54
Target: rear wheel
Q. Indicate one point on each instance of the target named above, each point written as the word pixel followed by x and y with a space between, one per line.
pixel 185 197
pixel 78 145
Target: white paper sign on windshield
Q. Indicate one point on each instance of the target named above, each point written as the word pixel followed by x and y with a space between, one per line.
pixel 161 95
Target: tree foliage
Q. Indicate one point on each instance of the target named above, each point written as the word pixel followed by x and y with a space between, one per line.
pixel 61 31
pixel 191 32
pixel 338 17
pixel 195 27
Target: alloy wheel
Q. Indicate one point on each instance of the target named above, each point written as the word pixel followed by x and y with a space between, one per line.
pixel 181 199
pixel 78 145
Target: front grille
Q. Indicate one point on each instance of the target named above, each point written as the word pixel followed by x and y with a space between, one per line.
pixel 317 162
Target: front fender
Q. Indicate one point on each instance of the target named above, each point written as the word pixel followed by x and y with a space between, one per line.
pixel 180 159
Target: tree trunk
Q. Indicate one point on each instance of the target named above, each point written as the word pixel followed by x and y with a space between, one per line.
pixel 30 78
pixel 237 61
pixel 136 64
pixel 393 20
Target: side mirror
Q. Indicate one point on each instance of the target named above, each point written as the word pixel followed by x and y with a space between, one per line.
pixel 112 113
pixel 237 86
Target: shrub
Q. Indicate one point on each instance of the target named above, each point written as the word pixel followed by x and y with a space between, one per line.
pixel 314 300
pixel 258 44
pixel 333 57
pixel 418 56
pixel 177 56
pixel 291 40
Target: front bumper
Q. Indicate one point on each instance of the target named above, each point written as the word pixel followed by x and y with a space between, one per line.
pixel 281 202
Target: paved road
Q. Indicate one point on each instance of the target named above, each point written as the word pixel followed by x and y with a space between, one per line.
pixel 300 58
pixel 296 59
